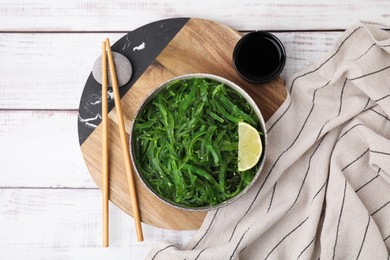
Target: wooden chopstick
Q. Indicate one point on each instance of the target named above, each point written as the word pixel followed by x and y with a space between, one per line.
pixel 105 145
pixel 125 148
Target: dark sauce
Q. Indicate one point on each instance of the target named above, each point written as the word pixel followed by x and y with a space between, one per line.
pixel 259 57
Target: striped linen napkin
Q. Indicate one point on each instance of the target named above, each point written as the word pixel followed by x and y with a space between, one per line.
pixel 325 189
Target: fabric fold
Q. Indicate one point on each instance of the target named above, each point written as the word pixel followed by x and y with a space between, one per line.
pixel 324 191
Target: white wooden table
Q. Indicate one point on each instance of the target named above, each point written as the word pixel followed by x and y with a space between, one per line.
pixel 49 206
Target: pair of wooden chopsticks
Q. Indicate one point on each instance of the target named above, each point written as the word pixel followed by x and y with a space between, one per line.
pixel 126 155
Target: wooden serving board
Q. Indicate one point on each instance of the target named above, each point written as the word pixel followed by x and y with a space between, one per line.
pixel 171 48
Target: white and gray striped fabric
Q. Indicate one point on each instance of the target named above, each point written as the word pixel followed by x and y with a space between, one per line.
pixel 325 189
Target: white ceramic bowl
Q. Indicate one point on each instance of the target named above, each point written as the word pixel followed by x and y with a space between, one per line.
pixel 248 99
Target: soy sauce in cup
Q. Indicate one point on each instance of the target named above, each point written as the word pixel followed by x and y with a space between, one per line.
pixel 259 57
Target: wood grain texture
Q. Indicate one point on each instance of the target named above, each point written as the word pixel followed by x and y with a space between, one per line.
pixel 89 15
pixel 105 172
pixel 41 149
pixel 48 71
pixel 201 46
pixel 66 224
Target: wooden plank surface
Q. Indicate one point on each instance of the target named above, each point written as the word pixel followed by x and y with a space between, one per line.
pixel 54 213
pixel 89 15
pixel 46 71
pixel 49 70
pixel 41 149
pixel 66 224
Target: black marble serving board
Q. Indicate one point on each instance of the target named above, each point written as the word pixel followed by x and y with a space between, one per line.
pixel 141 47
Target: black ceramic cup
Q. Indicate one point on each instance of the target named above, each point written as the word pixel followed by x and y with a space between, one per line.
pixel 259 57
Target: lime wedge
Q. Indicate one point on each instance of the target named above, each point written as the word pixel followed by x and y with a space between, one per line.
pixel 249 146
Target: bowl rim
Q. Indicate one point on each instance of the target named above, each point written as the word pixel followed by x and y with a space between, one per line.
pixel 228 83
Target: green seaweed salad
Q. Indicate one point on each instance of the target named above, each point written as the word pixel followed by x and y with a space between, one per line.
pixel 186 142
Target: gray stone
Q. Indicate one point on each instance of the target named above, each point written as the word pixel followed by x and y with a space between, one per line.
pixel 123 69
